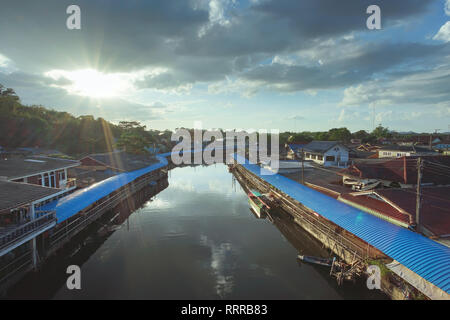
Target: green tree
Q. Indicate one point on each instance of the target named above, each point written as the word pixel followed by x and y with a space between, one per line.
pixel 339 134
pixel 134 138
pixel 8 92
pixel 361 134
pixel 381 132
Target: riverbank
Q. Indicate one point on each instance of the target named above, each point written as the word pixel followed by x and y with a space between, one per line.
pixel 345 244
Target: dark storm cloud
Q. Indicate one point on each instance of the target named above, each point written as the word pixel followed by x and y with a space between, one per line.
pixel 128 35
pixel 115 35
pixel 20 79
pixel 348 70
pixel 318 18
pixel 179 37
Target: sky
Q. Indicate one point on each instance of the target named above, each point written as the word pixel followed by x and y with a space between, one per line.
pixel 297 65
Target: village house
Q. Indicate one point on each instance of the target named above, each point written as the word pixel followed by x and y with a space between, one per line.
pixel 420 140
pixel 442 145
pixel 22 220
pixel 100 166
pixel 327 153
pixel 43 171
pixel 294 149
pixel 367 174
pixel 397 151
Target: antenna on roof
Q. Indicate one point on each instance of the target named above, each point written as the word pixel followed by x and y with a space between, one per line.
pixel 418 191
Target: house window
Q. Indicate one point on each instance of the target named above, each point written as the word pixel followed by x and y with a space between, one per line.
pixel 329 158
pixel 320 158
pixel 52 179
pixel 62 175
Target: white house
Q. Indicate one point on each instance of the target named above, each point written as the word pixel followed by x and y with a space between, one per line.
pixel 327 153
pixel 396 151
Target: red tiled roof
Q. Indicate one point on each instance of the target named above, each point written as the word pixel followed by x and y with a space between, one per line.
pixel 401 170
pixel 435 208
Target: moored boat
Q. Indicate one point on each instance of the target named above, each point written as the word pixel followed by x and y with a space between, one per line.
pixel 257 203
pixel 316 260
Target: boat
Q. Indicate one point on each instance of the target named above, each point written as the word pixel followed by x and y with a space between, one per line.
pixel 258 203
pixel 317 260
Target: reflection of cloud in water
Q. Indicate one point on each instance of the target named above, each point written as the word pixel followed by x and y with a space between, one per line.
pixel 207 178
pixel 221 268
pixel 218 186
pixel 158 203
pixel 182 185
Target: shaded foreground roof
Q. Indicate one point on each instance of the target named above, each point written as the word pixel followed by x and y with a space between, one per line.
pixel 122 160
pixel 15 194
pixel 328 181
pixel 425 257
pixel 14 168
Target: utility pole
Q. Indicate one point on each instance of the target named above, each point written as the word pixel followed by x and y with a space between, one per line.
pixel 303 167
pixel 418 196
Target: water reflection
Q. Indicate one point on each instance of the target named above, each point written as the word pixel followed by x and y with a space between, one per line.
pixel 197 239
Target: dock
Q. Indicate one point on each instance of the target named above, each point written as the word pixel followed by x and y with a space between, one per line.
pixel 60 220
pixel 357 234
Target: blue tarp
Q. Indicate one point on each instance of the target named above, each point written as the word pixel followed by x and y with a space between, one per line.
pixel 427 258
pixel 75 202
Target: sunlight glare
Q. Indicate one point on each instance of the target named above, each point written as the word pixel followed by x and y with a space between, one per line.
pixel 92 83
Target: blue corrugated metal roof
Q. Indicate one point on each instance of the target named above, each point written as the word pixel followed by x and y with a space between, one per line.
pixel 70 205
pixel 296 146
pixel 75 202
pixel 427 258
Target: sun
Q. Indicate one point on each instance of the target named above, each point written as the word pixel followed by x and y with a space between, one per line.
pixel 90 82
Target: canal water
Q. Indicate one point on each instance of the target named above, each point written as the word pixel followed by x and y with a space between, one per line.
pixel 197 239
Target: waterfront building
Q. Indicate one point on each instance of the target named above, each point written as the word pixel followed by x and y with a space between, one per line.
pixel 117 161
pixel 42 171
pixel 21 222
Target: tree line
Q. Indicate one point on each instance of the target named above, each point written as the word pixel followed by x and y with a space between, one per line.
pixel 36 126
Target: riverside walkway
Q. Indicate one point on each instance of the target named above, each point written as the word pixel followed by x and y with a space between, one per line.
pixel 70 205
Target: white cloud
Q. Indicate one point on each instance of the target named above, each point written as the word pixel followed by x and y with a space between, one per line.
pixel 217 15
pixel 443 33
pixel 6 64
pixel 447 7
pixel 420 88
pixel 4 61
